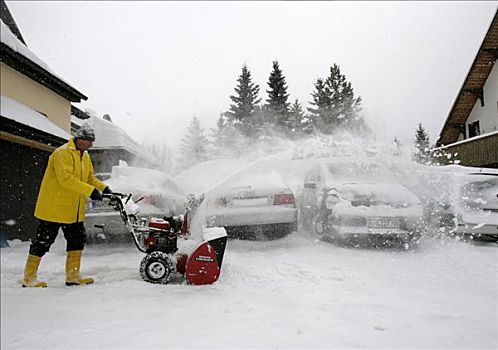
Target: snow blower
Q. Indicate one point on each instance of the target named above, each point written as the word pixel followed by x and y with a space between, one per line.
pixel 199 262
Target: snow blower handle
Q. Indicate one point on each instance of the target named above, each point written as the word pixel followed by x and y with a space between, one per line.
pixel 119 201
pixel 115 194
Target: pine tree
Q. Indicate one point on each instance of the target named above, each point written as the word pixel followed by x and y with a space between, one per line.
pixel 321 102
pixel 297 120
pixel 277 106
pixel 335 106
pixel 422 146
pixel 194 145
pixel 245 102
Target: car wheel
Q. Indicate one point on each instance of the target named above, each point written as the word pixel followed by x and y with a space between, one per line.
pixel 278 231
pixel 318 226
pixel 158 267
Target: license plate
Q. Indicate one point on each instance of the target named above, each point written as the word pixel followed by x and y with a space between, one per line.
pixel 384 223
pixel 250 202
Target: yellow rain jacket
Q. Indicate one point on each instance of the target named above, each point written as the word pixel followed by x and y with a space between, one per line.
pixel 67 182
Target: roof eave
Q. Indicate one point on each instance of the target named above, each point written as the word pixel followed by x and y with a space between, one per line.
pixel 450 132
pixel 27 67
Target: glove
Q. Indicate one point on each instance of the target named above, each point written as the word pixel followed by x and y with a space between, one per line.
pixel 96 195
pixel 107 190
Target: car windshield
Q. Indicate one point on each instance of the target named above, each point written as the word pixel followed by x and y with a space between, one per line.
pixel 356 171
pixel 374 194
pixel 480 194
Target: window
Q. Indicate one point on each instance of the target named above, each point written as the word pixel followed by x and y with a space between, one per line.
pixel 474 129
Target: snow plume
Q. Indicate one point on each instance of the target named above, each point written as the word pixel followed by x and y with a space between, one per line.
pixel 272 142
pixel 274 158
pixel 274 149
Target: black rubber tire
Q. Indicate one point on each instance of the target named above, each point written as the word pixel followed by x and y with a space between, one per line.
pixel 158 267
pixel 317 227
pixel 278 231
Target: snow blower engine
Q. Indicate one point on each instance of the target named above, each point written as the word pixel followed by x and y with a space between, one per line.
pixel 199 262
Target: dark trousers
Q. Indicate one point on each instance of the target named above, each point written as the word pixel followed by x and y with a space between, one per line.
pixel 47 232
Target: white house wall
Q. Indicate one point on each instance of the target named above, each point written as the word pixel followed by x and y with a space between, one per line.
pixel 487 115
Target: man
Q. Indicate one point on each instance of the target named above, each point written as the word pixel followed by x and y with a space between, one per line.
pixel 67 182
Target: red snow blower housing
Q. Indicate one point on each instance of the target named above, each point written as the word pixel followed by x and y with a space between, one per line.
pixel 158 240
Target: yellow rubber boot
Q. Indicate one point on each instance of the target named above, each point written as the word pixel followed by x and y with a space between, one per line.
pixel 31 271
pixel 73 277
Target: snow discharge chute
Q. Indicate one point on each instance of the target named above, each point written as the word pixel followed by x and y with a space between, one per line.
pixel 204 264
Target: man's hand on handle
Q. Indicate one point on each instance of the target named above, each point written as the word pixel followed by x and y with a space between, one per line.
pixel 96 195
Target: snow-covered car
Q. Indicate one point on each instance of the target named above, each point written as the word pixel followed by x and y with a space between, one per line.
pixel 463 201
pixel 357 202
pixel 249 200
pixel 156 193
pixel 253 212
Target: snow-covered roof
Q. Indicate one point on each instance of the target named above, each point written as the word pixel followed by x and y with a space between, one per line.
pixel 110 136
pixel 14 110
pixel 8 38
pixel 53 81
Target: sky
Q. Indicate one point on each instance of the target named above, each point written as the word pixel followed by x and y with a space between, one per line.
pixel 155 65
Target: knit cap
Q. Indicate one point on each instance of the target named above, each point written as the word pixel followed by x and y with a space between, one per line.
pixel 85 132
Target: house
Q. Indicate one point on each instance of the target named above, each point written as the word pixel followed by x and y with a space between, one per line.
pixel 112 144
pixel 471 128
pixel 35 118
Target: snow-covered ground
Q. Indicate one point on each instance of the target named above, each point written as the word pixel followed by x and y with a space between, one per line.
pixel 294 292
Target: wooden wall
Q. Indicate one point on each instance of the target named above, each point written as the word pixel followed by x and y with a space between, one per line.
pixel 482 152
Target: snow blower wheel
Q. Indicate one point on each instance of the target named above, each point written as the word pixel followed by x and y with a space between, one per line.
pixel 158 267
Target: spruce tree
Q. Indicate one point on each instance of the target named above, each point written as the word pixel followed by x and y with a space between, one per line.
pixel 422 146
pixel 277 106
pixel 194 145
pixel 335 106
pixel 297 120
pixel 321 102
pixel 245 103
